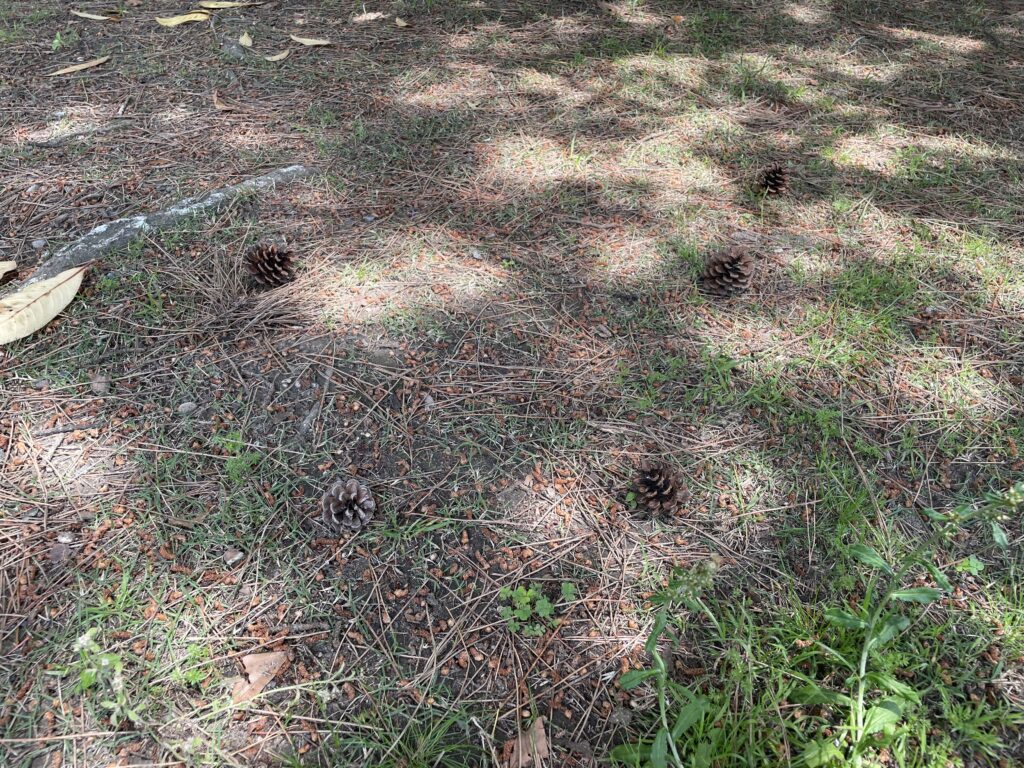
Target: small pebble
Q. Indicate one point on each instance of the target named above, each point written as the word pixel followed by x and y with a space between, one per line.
pixel 66 537
pixel 38 244
pixel 186 408
pixel 369 217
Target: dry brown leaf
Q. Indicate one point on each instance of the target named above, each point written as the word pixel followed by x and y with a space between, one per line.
pixel 277 56
pixel 7 266
pixel 79 67
pixel 185 18
pixel 362 18
pixel 260 668
pixel 309 40
pixel 245 40
pixel 216 5
pixel 531 747
pixel 400 22
pixel 94 16
pixel 217 103
pixel 26 311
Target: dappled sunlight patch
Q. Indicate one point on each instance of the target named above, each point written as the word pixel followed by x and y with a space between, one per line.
pixel 75 120
pixel 537 161
pixel 421 270
pixel 808 13
pixel 952 43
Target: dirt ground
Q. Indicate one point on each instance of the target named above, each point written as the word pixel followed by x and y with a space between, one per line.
pixel 497 318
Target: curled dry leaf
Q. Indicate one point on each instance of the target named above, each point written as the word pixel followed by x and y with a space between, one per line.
pixel 7 266
pixel 278 56
pixel 245 40
pixel 530 748
pixel 185 18
pixel 79 67
pixel 309 40
pixel 26 311
pixel 400 22
pixel 260 668
pixel 362 18
pixel 218 104
pixel 216 5
pixel 94 16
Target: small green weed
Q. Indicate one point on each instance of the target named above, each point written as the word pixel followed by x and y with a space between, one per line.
pixel 529 611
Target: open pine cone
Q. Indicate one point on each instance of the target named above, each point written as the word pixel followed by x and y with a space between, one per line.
pixel 348 505
pixel 729 271
pixel 773 180
pixel 270 264
pixel 659 488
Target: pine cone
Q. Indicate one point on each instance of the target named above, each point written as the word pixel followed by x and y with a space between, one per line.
pixel 729 271
pixel 773 180
pixel 659 488
pixel 270 264
pixel 348 505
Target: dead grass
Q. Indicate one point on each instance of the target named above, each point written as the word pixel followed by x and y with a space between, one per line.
pixel 496 320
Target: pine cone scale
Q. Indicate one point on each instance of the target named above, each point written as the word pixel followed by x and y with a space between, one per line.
pixel 270 264
pixel 729 271
pixel 348 505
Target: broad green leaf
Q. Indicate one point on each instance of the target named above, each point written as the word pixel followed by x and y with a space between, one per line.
pixel 923 595
pixel 884 714
pixel 79 67
pixel 939 576
pixel 891 684
pixel 820 753
pixel 891 627
pixel 869 556
pixel 660 619
pixel 568 588
pixel 184 18
pixel 634 677
pixel 689 716
pixel 630 754
pixel 969 564
pixel 999 536
pixel 842 618
pixel 544 607
pixel 659 750
pixel 812 695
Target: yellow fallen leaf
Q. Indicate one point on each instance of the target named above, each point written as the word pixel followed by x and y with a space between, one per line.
pixel 309 40
pixel 7 266
pixel 260 668
pixel 216 5
pixel 31 308
pixel 93 16
pixel 400 22
pixel 278 56
pixel 79 67
pixel 245 40
pixel 173 21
